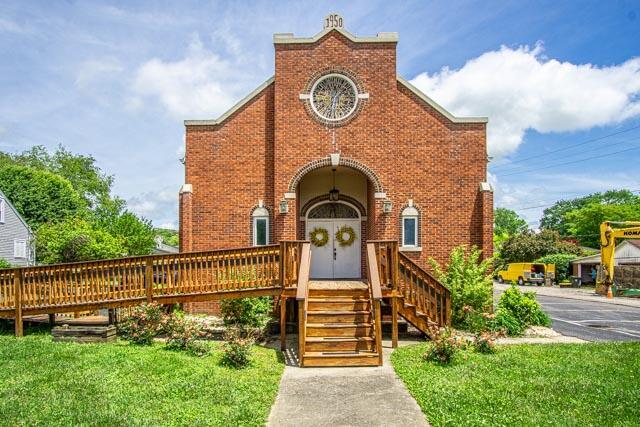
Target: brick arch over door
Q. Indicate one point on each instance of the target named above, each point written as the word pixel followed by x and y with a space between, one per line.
pixel 349 163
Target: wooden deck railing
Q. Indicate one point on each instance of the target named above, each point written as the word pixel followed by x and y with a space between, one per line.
pixel 414 284
pixel 194 276
pixel 373 276
pixel 302 296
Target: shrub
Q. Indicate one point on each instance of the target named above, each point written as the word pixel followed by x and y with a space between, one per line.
pixel 444 345
pixel 144 324
pixel 249 312
pixel 517 311
pixel 474 321
pixel 469 281
pixel 237 349
pixel 485 342
pixel 4 263
pixel 182 334
pixel 561 262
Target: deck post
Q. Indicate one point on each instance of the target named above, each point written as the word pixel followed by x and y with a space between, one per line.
pixel 283 323
pixel 148 280
pixel 394 322
pixel 282 264
pixel 17 282
pixel 52 319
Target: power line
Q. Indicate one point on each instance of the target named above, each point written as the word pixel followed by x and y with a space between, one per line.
pixel 572 146
pixel 551 204
pixel 519 168
pixel 569 163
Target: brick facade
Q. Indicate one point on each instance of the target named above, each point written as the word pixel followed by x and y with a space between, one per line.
pixel 414 150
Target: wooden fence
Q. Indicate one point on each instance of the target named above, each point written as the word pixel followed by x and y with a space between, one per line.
pixel 185 277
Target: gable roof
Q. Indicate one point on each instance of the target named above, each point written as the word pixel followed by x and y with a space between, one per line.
pixel 13 208
pixel 233 109
pixel 417 92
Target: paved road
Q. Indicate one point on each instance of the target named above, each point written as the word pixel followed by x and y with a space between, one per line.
pixel 592 321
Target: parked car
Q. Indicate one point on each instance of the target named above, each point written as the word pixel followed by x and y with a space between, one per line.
pixel 527 272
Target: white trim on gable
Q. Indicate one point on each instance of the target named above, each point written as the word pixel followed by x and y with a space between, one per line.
pixel 288 38
pixel 233 109
pixel 417 92
pixel 2 209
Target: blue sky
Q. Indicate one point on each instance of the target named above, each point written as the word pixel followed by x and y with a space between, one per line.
pixel 116 79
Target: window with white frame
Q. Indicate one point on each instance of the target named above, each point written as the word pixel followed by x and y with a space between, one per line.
pixel 2 205
pixel 410 224
pixel 260 218
pixel 19 248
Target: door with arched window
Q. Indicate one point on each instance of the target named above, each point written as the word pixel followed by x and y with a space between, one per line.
pixel 334 231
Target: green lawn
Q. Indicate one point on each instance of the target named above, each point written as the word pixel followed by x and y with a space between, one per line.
pixel 532 385
pixel 46 383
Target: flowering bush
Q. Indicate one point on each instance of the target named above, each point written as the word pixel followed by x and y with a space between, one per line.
pixel 485 342
pixel 237 349
pixel 445 344
pixel 144 324
pixel 182 334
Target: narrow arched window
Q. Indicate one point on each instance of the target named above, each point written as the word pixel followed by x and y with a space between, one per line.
pixel 260 219
pixel 410 225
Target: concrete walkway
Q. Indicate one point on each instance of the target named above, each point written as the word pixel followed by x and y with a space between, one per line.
pixel 573 293
pixel 344 396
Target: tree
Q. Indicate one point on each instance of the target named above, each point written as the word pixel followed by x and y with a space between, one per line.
pixel 40 196
pixel 584 223
pixel 561 261
pixel 554 218
pixel 169 237
pixel 507 222
pixel 75 240
pixel 528 246
pixel 81 171
pixel 137 234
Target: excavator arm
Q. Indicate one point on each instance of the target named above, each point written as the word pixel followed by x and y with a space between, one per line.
pixel 608 236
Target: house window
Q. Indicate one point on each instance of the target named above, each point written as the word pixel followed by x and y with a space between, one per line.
pixel 20 248
pixel 260 217
pixel 410 227
pixel 2 204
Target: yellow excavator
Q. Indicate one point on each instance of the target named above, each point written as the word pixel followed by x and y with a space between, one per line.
pixel 608 236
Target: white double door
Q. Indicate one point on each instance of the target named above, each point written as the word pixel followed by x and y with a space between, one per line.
pixel 333 261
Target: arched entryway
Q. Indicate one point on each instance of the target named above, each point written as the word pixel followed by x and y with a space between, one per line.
pixel 335 230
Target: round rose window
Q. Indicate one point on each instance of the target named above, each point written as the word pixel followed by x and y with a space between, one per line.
pixel 334 97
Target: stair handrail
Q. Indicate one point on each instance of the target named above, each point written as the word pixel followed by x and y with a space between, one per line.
pixel 426 293
pixel 302 296
pixel 375 290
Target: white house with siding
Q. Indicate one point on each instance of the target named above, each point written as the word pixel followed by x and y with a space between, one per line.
pixel 16 238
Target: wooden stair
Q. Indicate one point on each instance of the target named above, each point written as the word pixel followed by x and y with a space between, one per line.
pixel 340 329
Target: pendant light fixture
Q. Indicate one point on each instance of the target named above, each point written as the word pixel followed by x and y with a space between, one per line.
pixel 334 193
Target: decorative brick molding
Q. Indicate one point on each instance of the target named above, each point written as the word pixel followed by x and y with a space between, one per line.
pixel 349 163
pixel 362 210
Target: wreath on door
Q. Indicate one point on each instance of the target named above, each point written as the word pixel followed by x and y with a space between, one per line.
pixel 345 236
pixel 319 236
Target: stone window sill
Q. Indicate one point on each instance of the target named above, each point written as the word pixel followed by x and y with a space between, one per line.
pixel 410 249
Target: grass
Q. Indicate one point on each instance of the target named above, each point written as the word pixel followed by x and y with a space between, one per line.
pixel 528 385
pixel 47 383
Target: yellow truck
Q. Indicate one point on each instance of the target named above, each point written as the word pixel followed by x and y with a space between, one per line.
pixel 527 272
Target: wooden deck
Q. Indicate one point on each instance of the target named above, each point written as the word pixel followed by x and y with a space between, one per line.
pixel 333 315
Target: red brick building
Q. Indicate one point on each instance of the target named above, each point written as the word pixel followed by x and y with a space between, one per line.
pixel 337 140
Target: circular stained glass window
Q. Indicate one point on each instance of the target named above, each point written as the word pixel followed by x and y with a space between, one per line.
pixel 334 97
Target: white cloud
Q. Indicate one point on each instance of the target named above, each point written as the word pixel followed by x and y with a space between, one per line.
pixel 161 206
pixel 8 26
pixel 201 85
pixel 96 70
pixel 531 196
pixel 519 89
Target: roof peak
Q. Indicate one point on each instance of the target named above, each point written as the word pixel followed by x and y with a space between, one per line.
pixel 334 22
